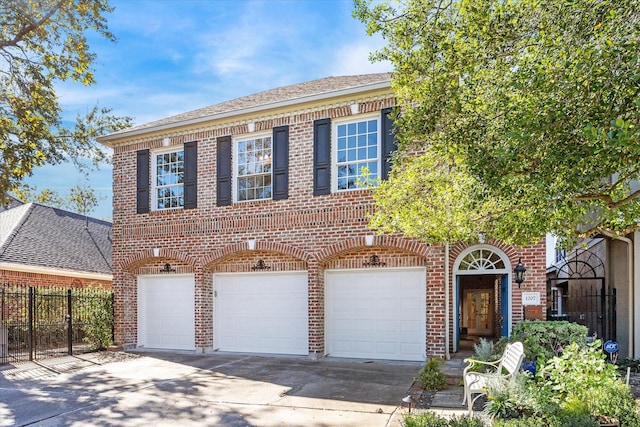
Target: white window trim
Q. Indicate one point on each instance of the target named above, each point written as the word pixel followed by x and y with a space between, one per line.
pixel 154 179
pixel 234 155
pixel 334 147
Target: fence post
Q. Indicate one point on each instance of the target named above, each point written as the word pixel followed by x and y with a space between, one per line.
pixel 69 324
pixel 31 303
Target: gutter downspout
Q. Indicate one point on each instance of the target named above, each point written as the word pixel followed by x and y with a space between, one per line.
pixel 629 243
pixel 447 356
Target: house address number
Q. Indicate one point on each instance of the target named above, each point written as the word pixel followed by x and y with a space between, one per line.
pixel 531 298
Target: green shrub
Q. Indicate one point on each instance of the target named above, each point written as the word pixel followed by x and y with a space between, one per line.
pixel 485 351
pixel 633 364
pixel 578 369
pixel 582 383
pixel 466 421
pixel 549 421
pixel 429 419
pixel 430 378
pixel 426 419
pixel 543 340
pixel 615 401
pixel 509 399
pixel 98 310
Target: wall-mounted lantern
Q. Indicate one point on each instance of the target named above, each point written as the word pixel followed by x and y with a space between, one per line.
pixel 260 265
pixel 518 272
pixel 167 269
pixel 374 261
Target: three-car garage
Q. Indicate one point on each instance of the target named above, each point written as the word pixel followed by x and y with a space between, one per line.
pixel 369 313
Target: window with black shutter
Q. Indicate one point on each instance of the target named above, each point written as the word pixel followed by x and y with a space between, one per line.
pixel 223 175
pixel 191 175
pixel 321 157
pixel 280 162
pixel 142 181
pixel 389 144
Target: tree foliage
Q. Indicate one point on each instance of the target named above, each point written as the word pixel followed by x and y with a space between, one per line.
pixel 81 198
pixel 524 114
pixel 43 42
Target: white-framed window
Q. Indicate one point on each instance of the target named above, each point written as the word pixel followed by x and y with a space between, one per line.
pixel 253 170
pixel 356 153
pixel 167 179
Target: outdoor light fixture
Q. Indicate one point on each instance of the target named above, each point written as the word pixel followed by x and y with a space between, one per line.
pixel 374 261
pixel 408 400
pixel 167 269
pixel 519 272
pixel 260 265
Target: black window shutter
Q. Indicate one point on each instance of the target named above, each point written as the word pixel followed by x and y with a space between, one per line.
pixel 388 145
pixel 224 171
pixel 280 162
pixel 142 181
pixel 191 175
pixel 321 157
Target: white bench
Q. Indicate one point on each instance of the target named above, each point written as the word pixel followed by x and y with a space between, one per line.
pixel 504 368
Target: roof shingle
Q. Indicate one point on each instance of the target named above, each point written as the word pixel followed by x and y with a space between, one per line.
pixel 54 238
pixel 298 91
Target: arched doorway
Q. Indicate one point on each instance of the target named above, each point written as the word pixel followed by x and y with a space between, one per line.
pixel 482 295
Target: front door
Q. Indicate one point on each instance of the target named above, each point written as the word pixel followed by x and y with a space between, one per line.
pixel 479 311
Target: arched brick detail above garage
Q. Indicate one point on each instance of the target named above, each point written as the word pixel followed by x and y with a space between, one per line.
pixel 164 255
pixel 262 248
pixel 378 243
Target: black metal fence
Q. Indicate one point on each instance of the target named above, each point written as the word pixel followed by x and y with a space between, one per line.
pixel 589 304
pixel 36 323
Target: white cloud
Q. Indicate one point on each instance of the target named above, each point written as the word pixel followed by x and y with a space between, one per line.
pixel 353 57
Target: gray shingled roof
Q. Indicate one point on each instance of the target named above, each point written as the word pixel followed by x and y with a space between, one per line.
pixel 299 91
pixel 54 238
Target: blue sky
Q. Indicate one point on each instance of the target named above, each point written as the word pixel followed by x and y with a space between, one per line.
pixel 174 56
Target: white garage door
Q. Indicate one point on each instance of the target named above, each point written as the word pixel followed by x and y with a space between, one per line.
pixel 377 314
pixel 261 313
pixel 166 317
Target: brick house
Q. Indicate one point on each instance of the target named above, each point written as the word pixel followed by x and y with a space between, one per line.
pixel 48 247
pixel 240 227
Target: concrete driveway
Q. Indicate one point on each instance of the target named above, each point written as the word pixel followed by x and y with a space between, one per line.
pixel 173 389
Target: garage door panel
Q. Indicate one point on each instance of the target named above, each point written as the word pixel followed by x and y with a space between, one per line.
pixel 263 313
pixel 166 316
pixel 376 314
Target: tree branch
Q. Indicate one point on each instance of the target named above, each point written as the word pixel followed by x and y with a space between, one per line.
pixel 31 26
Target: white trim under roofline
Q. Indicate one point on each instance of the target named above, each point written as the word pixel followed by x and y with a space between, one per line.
pixel 54 271
pixel 303 99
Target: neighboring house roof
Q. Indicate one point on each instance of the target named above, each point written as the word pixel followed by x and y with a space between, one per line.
pixel 10 204
pixel 42 237
pixel 292 94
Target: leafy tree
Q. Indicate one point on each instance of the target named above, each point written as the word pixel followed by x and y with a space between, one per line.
pixel 41 43
pixel 525 115
pixel 28 193
pixel 81 198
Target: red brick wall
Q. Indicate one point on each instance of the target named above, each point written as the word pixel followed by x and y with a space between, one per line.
pixel 19 278
pixel 304 232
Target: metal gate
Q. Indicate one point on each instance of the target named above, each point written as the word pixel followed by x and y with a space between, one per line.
pixel 36 323
pixel 579 295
